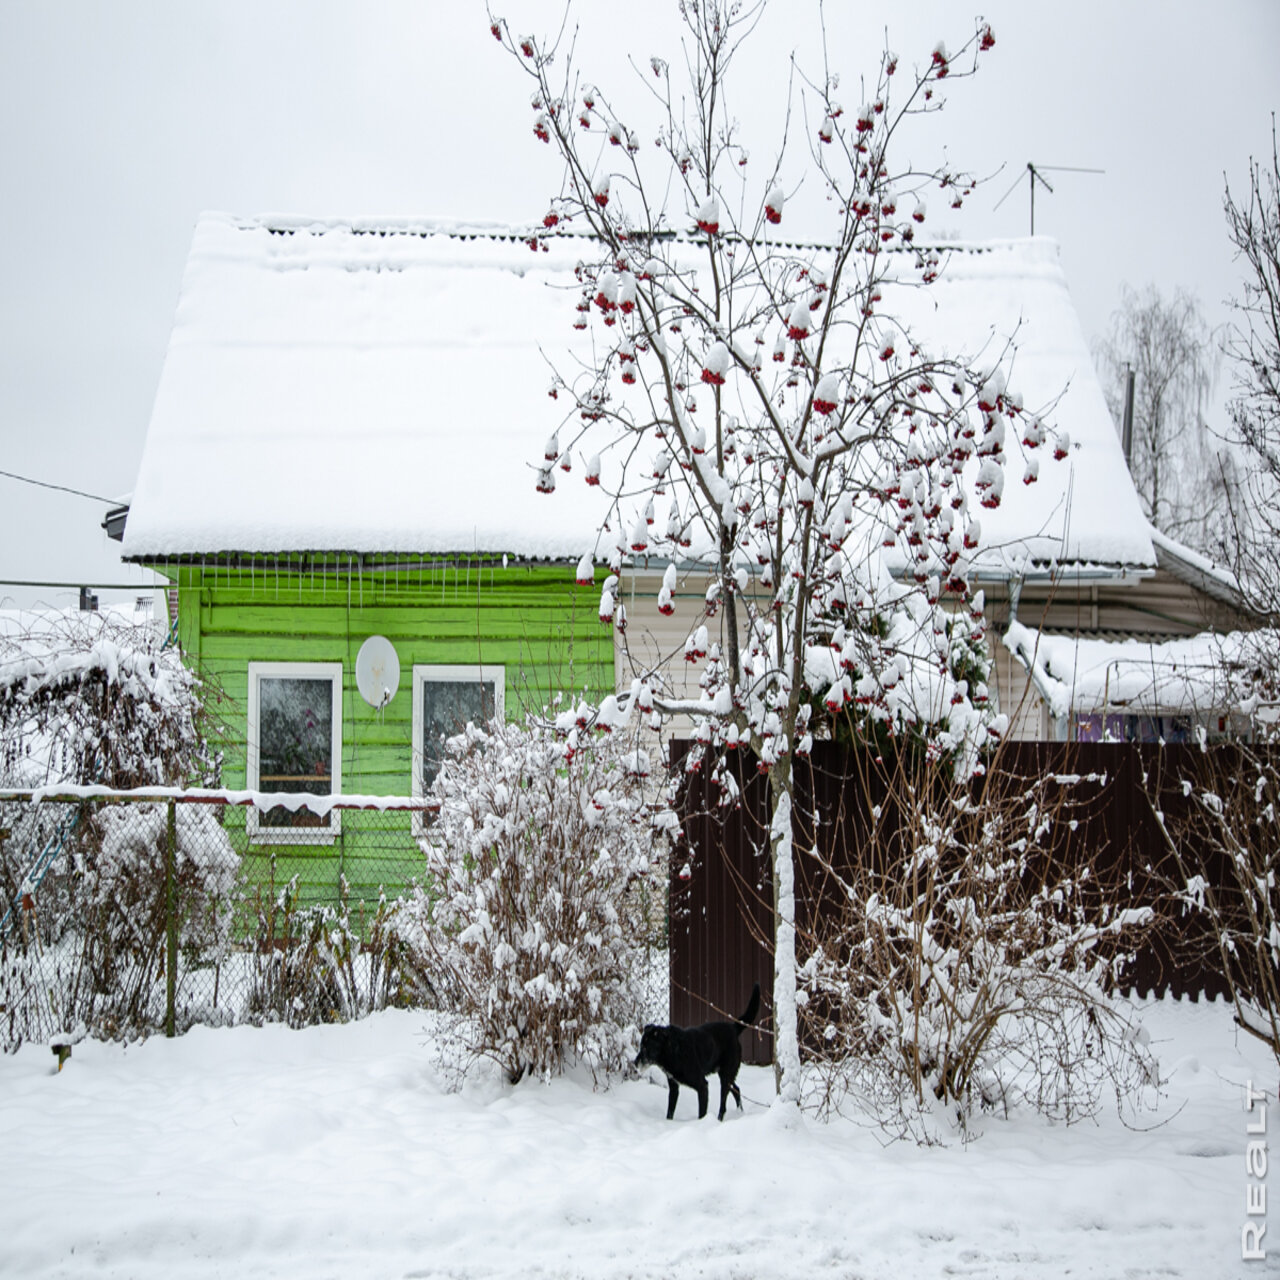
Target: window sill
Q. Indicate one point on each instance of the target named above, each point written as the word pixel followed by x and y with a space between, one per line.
pixel 317 835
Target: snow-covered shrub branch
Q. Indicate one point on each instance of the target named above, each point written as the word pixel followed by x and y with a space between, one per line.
pixel 93 697
pixel 957 962
pixel 326 963
pixel 525 929
pixel 758 411
pixel 1222 833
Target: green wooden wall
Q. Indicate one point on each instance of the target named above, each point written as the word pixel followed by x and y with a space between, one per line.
pixel 533 620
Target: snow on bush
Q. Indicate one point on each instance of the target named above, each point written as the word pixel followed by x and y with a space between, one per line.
pixel 1222 840
pixel 96 698
pixel 970 969
pixel 88 697
pixel 525 927
pixel 319 964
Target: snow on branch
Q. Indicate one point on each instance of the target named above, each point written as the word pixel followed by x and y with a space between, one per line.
pixel 821 464
pixel 89 697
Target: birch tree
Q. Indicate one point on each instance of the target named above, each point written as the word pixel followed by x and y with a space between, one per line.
pixel 1167 345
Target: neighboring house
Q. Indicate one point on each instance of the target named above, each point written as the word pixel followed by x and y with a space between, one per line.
pixel 1072 556
pixel 346 444
pixel 1068 556
pixel 1163 655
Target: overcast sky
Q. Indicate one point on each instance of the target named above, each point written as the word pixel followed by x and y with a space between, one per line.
pixel 121 122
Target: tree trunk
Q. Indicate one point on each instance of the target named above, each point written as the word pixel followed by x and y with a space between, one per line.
pixel 786 1041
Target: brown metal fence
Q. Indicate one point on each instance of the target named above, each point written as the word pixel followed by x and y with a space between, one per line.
pixel 721 891
pixel 125 913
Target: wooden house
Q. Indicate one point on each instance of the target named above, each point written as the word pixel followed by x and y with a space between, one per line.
pixel 339 451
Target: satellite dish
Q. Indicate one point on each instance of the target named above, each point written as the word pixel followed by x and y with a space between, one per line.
pixel 377 671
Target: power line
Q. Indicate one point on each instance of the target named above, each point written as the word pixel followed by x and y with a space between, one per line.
pixel 79 493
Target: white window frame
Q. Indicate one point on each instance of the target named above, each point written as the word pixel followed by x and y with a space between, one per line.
pixel 429 673
pixel 331 671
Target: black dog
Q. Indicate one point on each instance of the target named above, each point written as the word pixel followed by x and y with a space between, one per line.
pixel 688 1055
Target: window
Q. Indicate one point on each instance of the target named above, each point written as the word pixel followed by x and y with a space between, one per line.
pixel 295 744
pixel 444 699
pixel 1122 727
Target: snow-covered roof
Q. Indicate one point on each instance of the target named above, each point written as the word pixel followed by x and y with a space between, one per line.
pixel 1186 676
pixel 1196 570
pixel 1085 509
pixel 358 387
pixel 382 387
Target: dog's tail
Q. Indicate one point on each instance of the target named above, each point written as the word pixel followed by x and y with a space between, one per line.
pixel 753 1007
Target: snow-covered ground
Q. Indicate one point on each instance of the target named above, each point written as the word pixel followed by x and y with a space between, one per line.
pixel 337 1151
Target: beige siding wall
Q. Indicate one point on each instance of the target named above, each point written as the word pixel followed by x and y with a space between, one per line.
pixel 656 641
pixel 1158 606
pixel 1028 717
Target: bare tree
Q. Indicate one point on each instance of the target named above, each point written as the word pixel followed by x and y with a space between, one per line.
pixel 796 427
pixel 1224 843
pixel 1169 348
pixel 1253 347
pixel 1222 839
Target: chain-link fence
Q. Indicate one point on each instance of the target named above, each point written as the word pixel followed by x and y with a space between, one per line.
pixel 126 913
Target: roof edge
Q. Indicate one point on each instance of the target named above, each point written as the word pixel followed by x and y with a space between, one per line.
pixel 1198 571
pixel 338 560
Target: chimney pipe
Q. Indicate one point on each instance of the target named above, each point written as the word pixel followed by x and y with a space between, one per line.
pixel 1126 430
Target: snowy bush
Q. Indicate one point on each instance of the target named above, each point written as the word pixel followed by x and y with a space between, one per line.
pixel 969 969
pixel 318 964
pixel 1222 838
pixel 95 698
pixel 525 928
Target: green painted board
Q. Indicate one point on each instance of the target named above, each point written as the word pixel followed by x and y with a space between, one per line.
pixel 532 620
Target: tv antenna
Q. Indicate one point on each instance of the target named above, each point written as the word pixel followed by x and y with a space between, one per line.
pixel 1035 174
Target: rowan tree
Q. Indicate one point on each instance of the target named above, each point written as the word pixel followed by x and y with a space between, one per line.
pixel 763 396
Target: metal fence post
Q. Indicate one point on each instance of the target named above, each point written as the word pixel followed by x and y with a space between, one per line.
pixel 171 923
